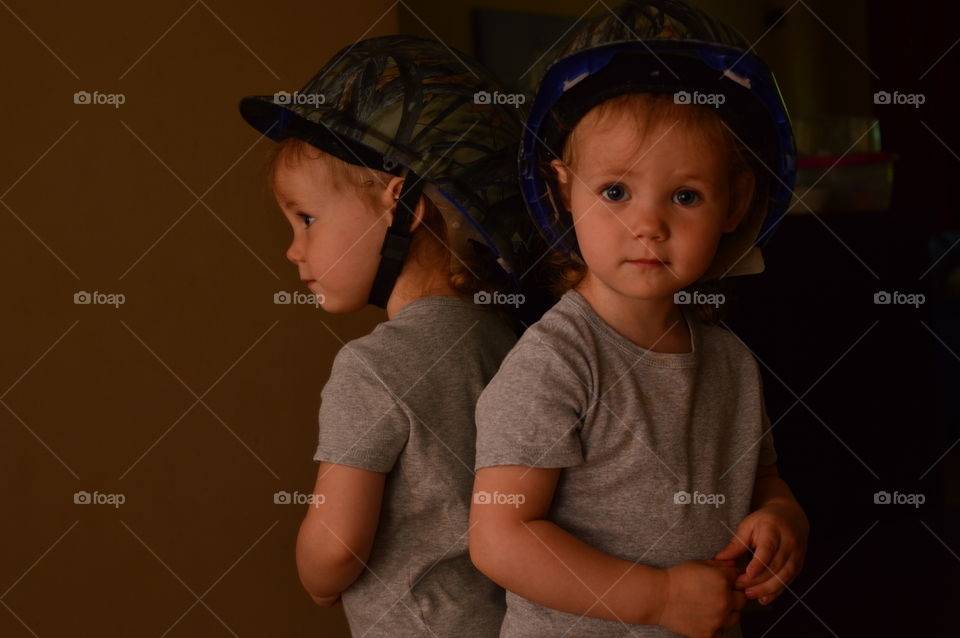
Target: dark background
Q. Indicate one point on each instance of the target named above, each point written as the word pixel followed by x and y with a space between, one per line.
pixel 196 399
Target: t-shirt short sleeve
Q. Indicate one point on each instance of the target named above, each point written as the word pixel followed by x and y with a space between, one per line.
pixel 531 411
pixel 362 423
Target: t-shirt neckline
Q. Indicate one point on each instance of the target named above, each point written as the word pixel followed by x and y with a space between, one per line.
pixel 650 357
pixel 437 300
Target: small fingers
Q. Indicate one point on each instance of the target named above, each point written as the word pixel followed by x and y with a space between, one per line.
pixel 734 548
pixel 758 569
pixel 787 553
pixel 774 585
pixel 767 546
pixel 767 587
pixel 770 570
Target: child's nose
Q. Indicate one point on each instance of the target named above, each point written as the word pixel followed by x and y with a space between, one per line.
pixel 646 222
pixel 295 251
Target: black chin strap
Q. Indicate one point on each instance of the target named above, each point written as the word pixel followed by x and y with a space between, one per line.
pixel 396 242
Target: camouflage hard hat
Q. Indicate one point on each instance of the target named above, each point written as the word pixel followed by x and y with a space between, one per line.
pixel 403 105
pixel 666 47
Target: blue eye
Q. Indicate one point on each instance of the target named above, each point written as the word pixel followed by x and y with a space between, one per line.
pixel 307 219
pixel 615 193
pixel 686 197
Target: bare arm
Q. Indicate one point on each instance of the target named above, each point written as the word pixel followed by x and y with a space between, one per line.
pixel 336 536
pixel 516 547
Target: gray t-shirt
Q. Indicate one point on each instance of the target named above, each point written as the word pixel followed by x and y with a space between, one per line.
pixel 401 400
pixel 632 428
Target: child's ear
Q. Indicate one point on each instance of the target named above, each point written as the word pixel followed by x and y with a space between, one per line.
pixel 741 196
pixel 389 196
pixel 563 180
pixel 389 201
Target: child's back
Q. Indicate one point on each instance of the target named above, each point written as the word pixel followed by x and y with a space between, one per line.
pixel 413 382
pixel 399 184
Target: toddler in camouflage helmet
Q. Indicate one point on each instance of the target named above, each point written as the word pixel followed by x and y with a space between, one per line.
pixel 624 454
pixel 399 186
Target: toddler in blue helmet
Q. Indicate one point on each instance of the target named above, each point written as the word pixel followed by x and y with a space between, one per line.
pixel 399 185
pixel 624 455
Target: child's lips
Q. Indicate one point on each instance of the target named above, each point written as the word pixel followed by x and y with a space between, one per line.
pixel 647 262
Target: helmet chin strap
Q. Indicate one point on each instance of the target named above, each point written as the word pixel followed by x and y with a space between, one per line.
pixel 396 241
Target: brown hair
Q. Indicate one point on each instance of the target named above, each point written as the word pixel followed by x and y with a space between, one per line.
pixel 429 245
pixel 646 110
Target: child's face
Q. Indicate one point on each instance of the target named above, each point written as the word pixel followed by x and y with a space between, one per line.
pixel 668 200
pixel 337 235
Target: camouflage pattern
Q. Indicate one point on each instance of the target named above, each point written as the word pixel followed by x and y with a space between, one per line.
pixel 401 101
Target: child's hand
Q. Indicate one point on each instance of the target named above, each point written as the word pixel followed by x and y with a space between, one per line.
pixel 701 599
pixel 778 533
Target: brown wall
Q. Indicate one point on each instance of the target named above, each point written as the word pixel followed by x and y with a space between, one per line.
pixel 196 399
